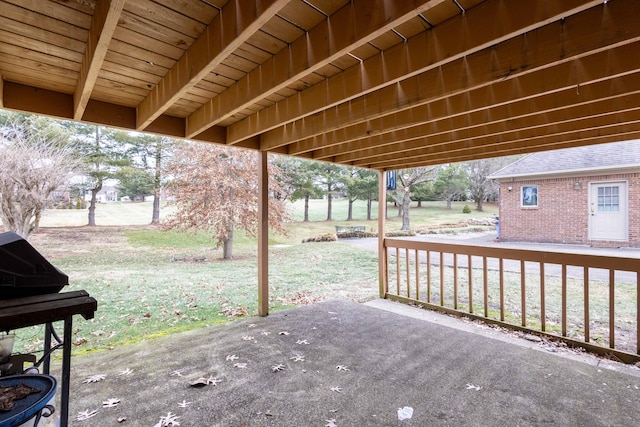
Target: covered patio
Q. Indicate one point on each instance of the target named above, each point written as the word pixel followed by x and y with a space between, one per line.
pixel 355 364
pixel 383 85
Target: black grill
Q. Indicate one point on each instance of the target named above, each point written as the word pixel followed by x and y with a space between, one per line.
pixel 24 272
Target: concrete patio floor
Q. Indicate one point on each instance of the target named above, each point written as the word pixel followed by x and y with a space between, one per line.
pixel 350 364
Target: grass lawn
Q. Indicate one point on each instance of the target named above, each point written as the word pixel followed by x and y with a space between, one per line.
pixel 150 282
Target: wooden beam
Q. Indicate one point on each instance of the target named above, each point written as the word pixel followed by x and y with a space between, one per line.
pixel 229 30
pixel 1 91
pixel 103 25
pixel 60 105
pixel 519 143
pixel 455 39
pixel 570 77
pixel 559 42
pixel 471 126
pixel 333 38
pixel 454 112
pixel 39 101
pixel 593 138
pixel 263 235
pixel 382 215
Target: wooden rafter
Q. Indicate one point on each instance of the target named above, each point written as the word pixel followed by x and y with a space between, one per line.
pixel 334 37
pixel 523 89
pixel 103 25
pixel 426 51
pixel 228 31
pixel 537 50
pixel 524 114
pixel 613 133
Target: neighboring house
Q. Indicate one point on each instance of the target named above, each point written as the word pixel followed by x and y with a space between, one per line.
pixel 108 193
pixel 585 195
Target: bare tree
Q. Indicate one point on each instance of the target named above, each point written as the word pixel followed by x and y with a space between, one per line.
pixel 409 178
pixel 33 165
pixel 481 187
pixel 216 190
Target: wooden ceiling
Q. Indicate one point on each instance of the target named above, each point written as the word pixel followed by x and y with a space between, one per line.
pixel 380 84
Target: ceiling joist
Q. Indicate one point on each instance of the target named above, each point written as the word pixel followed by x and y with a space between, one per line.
pixel 334 37
pixel 554 44
pixel 427 51
pixel 103 25
pixel 378 84
pixel 229 30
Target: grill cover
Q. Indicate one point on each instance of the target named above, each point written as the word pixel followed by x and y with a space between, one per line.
pixel 24 272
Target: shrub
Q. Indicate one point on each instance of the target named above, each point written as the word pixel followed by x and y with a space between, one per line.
pixel 466 209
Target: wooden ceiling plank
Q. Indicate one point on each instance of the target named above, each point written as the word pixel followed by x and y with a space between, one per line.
pixel 1 91
pixel 69 24
pixel 355 24
pixel 40 35
pixel 228 31
pixel 454 39
pixel 525 54
pixel 103 25
pixel 578 118
pixel 482 149
pixel 32 47
pixel 599 98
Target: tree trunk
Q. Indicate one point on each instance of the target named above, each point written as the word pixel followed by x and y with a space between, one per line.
pixel 155 217
pixel 448 203
pixel 369 209
pixel 419 203
pixel 329 200
pixel 92 205
pixel 306 208
pixel 227 244
pixel 406 205
pixel 479 203
pixel 350 211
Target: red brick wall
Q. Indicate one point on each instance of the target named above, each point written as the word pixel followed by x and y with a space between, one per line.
pixel 562 213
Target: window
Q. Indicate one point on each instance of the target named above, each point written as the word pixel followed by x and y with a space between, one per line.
pixel 529 196
pixel 608 199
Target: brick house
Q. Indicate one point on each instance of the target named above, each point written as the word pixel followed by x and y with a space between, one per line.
pixel 585 195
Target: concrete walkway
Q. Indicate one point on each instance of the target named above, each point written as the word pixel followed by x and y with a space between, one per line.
pixel 341 363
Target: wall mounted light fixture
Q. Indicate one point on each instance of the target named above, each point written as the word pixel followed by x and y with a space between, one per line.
pixel 509 188
pixel 577 186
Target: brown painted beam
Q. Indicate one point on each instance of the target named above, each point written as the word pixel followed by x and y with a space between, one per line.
pixel 103 25
pixel 228 31
pixel 559 42
pixel 452 40
pixel 60 105
pixel 326 42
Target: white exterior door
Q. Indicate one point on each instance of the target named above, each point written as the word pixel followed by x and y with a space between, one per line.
pixel 608 211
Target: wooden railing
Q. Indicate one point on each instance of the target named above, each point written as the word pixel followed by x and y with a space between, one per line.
pixel 590 301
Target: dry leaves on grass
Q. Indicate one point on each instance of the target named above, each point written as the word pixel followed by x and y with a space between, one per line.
pixel 300 298
pixel 230 311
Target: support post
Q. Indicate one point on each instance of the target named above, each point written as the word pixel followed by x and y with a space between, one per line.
pixel 263 235
pixel 382 215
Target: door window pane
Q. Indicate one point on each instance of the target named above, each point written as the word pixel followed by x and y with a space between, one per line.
pixel 608 199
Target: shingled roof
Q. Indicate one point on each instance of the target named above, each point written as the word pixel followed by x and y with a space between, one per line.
pixel 575 161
